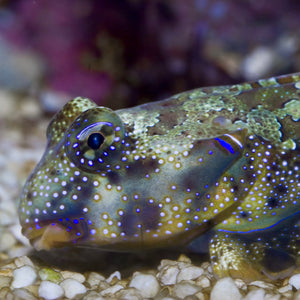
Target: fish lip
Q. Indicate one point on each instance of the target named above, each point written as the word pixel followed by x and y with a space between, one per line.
pixel 49 235
pixel 31 231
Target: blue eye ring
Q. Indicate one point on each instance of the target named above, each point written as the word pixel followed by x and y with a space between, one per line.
pixel 95 139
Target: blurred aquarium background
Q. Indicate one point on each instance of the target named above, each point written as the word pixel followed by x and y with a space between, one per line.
pixel 122 53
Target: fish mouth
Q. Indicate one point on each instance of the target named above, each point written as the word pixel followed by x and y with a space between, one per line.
pixel 50 236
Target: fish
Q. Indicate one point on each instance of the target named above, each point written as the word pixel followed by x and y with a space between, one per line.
pixel 213 169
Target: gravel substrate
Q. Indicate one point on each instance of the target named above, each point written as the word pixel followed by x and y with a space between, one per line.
pixel 26 274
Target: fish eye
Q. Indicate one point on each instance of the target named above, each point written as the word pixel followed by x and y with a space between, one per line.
pixel 95 140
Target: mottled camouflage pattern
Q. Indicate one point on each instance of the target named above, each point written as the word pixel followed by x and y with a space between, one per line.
pixel 217 165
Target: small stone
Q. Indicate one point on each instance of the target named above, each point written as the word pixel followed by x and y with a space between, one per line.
pixel 111 290
pixel 258 294
pixel 147 284
pixel 103 285
pixel 184 289
pixel 203 281
pixel 225 289
pixel 93 295
pixel 4 281
pixel 5 293
pixel 262 284
pixel 72 288
pixel 297 295
pixel 189 273
pixel 23 261
pixel 7 240
pixel 94 279
pixel 168 275
pixel 23 276
pixel 73 275
pixel 276 297
pixel 200 296
pixel 183 258
pixel 285 289
pixel 8 270
pixel 23 294
pixel 18 250
pixel 241 284
pixel 129 294
pixel 167 263
pixel 295 281
pixel 205 265
pixel 210 270
pixel 287 295
pixel 114 277
pixel 32 289
pixel 50 274
pixel 50 291
pixel 16 230
pixel 6 218
pixel 3 256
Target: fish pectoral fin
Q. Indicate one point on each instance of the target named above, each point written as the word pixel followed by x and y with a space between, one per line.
pixel 243 258
pixel 231 258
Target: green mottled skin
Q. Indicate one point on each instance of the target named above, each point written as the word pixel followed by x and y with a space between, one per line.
pixel 217 166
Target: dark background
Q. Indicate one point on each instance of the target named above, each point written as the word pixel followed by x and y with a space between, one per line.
pixel 126 52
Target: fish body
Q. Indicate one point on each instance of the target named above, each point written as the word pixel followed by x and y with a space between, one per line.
pixel 218 164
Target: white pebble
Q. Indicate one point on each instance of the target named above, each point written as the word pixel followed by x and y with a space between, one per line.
pixel 72 288
pixel 241 284
pixel 93 295
pixel 94 279
pixel 147 284
pixel 258 294
pixel 168 275
pixel 285 289
pixel 6 218
pixel 128 294
pixel 4 281
pixel 74 275
pixel 16 230
pixel 21 294
pixel 184 289
pixel 23 261
pixel 203 282
pixel 50 291
pixel 23 276
pixel 199 296
pixel 189 273
pixel 111 290
pixel 225 289
pixel 7 240
pixel 262 284
pixel 295 281
pixel 115 274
